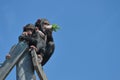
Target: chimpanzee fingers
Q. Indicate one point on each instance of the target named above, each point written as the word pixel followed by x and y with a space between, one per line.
pixel 25 33
pixel 8 56
pixel 33 47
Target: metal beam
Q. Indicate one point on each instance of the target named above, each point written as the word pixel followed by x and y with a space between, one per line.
pixel 38 66
pixel 16 53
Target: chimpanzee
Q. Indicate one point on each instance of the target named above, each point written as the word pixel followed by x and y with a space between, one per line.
pixel 24 67
pixel 41 24
pixel 34 39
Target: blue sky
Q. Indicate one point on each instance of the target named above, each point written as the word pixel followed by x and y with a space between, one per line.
pixel 88 44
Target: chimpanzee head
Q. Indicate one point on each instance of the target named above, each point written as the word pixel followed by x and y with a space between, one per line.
pixel 30 28
pixel 40 23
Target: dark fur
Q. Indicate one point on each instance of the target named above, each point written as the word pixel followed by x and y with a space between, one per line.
pixel 50 46
pixel 34 39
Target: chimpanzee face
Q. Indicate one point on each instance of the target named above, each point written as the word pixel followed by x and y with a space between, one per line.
pixel 44 24
pixel 29 31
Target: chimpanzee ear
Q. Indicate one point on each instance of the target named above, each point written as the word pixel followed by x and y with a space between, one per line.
pixel 37 23
pixel 39 20
pixel 24 28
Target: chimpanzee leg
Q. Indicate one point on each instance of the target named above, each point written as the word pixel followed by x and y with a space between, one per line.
pixel 48 52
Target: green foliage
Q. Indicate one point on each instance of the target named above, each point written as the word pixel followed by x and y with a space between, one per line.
pixel 55 27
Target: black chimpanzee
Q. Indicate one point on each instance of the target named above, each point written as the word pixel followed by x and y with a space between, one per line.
pixel 41 24
pixel 24 67
pixel 34 39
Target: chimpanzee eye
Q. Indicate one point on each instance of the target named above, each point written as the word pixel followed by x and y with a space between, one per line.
pixel 46 23
pixel 29 29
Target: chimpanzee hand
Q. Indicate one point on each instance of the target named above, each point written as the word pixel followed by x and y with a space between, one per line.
pixel 25 33
pixel 33 47
pixel 22 37
pixel 8 56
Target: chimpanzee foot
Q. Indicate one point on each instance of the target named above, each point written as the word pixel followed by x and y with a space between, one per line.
pixel 40 58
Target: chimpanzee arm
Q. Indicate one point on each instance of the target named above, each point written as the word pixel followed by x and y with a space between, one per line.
pixel 29 39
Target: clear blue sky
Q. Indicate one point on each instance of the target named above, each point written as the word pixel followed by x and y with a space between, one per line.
pixel 88 44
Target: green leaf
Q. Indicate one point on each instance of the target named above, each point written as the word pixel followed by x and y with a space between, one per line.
pixel 55 27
